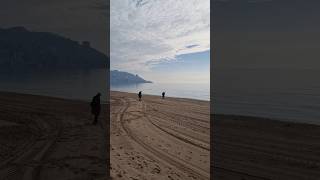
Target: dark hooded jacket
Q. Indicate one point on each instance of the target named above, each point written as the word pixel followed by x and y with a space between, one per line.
pixel 95 105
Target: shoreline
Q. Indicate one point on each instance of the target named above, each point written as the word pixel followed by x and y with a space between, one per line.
pixel 244 147
pixel 225 116
pixel 260 118
pixel 281 120
pixel 104 102
pixel 242 117
pixel 38 95
pixel 152 138
pixel 191 99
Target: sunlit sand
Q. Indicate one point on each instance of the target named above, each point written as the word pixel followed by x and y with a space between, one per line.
pixel 159 138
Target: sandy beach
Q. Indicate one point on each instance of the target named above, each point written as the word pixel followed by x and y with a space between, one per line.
pixel 50 138
pixel 250 148
pixel 159 138
pixel 169 139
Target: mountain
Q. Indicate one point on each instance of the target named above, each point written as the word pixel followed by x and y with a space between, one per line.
pixel 120 77
pixel 24 49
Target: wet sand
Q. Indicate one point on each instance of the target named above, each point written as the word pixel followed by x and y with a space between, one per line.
pixel 159 138
pixel 50 138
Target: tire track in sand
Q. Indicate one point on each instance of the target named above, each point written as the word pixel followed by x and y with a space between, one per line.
pixel 199 173
pixel 27 164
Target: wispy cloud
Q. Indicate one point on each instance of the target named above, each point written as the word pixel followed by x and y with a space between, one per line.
pixel 146 32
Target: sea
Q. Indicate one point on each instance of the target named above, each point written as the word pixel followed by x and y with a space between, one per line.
pixel 199 91
pixel 68 84
pixel 284 94
pixel 84 84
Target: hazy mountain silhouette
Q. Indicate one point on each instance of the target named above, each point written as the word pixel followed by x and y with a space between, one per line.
pixel 23 49
pixel 120 77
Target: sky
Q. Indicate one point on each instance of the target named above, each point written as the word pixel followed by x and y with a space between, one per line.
pixel 186 68
pixel 266 34
pixel 79 20
pixel 162 41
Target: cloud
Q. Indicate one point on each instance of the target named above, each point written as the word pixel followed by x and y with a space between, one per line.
pixel 146 32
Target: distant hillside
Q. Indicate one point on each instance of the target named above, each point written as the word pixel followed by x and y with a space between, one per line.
pixel 120 77
pixel 23 49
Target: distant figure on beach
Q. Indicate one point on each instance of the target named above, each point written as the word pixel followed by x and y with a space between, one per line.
pixel 95 107
pixel 140 95
pixel 163 94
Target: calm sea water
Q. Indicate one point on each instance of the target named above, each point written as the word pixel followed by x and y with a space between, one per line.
pixel 285 94
pixel 292 95
pixel 192 91
pixel 83 84
pixel 71 84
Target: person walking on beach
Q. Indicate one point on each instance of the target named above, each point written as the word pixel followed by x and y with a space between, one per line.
pixel 140 95
pixel 95 107
pixel 163 94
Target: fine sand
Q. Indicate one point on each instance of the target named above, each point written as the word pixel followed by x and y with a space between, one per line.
pixel 169 139
pixel 49 139
pixel 159 139
pixel 249 148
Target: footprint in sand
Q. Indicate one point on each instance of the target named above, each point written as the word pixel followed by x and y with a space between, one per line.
pixel 156 170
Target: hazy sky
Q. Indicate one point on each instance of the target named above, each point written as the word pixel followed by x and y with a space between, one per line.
pixel 166 41
pixel 266 33
pixel 80 20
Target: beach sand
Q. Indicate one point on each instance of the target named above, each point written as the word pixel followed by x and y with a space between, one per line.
pixel 158 139
pixel 250 148
pixel 50 138
pixel 169 139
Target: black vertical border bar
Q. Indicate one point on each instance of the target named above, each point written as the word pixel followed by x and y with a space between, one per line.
pixel 211 92
pixel 108 90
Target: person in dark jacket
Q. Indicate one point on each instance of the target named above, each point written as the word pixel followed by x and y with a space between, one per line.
pixel 163 94
pixel 140 95
pixel 96 107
